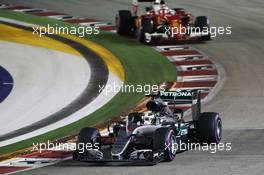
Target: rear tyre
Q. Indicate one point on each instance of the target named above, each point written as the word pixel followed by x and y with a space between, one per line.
pixel 209 128
pixel 124 22
pixel 146 27
pixel 203 24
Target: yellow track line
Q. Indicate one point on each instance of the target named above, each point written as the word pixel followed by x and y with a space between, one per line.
pixel 13 34
pixel 112 62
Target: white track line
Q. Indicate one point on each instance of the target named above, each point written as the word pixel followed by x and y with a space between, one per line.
pixel 196 67
pixel 60 17
pixel 94 24
pixel 170 48
pixel 197 78
pixel 29 10
pixel 113 31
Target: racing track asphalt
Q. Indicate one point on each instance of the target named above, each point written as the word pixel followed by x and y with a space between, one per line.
pixel 99 76
pixel 240 102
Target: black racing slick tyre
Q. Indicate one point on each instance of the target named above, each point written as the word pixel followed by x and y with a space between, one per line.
pixel 202 23
pixel 146 27
pixel 209 128
pixel 165 140
pixel 171 144
pixel 87 137
pixel 124 22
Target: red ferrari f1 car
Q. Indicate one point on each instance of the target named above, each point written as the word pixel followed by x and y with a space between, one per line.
pixel 160 22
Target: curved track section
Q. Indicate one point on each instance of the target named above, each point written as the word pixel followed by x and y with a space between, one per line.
pixel 85 99
pixel 240 102
pixel 34 83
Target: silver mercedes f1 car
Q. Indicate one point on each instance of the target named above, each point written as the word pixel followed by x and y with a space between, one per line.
pixel 152 136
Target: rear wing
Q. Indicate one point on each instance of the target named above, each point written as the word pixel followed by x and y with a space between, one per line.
pixel 176 96
pixel 182 97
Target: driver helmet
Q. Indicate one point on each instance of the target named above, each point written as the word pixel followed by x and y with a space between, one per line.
pixel 163 5
pixel 156 6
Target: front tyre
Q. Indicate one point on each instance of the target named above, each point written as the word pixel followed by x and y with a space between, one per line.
pixel 146 28
pixel 87 137
pixel 124 22
pixel 209 128
pixel 202 22
pixel 170 146
pixel 165 143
